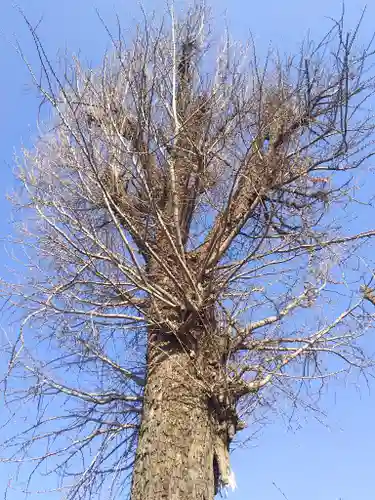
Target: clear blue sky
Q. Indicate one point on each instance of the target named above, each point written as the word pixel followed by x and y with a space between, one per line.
pixel 313 462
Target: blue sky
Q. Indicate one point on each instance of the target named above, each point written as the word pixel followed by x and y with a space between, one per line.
pixel 310 461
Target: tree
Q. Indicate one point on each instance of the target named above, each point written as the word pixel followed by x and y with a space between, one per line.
pixel 182 247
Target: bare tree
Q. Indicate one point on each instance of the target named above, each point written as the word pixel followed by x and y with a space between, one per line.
pixel 183 245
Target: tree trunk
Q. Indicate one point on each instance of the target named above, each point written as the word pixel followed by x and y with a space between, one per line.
pixel 175 454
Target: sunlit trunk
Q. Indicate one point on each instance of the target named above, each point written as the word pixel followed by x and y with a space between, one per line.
pixel 175 454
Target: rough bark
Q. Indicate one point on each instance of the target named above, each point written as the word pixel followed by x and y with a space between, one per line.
pixel 175 452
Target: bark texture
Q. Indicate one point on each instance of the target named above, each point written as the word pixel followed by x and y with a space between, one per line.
pixel 175 452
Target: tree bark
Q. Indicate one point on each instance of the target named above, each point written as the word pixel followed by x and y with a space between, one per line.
pixel 175 454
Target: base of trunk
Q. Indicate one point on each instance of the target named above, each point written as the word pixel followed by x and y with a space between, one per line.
pixel 176 448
